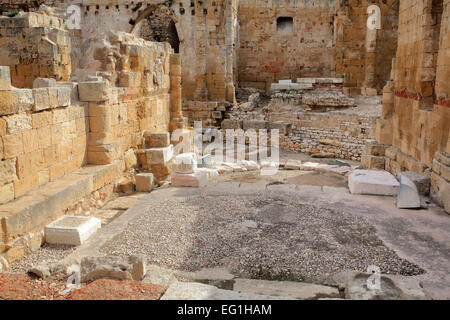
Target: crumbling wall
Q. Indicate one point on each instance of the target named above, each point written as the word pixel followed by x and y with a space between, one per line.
pixel 331 135
pixel 361 54
pixel 43 135
pixel 268 53
pixel 127 92
pixel 34 45
pixel 415 125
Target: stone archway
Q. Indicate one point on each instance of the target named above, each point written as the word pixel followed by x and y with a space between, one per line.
pixel 157 23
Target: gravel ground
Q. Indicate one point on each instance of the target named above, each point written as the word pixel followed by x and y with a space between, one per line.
pixel 266 236
pixel 47 253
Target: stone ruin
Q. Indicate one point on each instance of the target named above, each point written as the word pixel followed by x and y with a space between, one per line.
pixel 88 109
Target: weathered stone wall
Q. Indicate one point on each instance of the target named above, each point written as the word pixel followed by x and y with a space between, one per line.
pixel 333 134
pixel 43 135
pixel 362 55
pixel 415 124
pixel 34 45
pixel 266 54
pixel 128 93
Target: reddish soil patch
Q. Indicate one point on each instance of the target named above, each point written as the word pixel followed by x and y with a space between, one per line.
pixel 19 286
pixel 106 289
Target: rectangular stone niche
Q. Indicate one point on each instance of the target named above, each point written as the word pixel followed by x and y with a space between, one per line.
pixel 71 230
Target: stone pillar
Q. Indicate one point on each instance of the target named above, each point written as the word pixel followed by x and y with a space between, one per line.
pixel 369 87
pixel 176 112
pixel 384 131
pixel 175 86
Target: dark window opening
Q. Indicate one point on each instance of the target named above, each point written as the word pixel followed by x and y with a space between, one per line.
pixel 285 24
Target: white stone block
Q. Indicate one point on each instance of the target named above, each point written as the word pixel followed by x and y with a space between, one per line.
pixel 159 155
pixel 373 182
pixel 71 230
pixel 196 179
pixel 185 162
pixel 285 81
pixel 408 195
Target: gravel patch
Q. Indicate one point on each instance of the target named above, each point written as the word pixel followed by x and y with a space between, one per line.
pixel 46 254
pixel 270 235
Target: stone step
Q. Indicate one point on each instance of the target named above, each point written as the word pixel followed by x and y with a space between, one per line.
pixel 71 230
pixel 373 182
pixel 321 80
pixel 294 290
pixel 199 291
pixel 291 86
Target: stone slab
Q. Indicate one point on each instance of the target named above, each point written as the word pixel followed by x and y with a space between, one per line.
pixel 199 291
pixel 292 164
pixel 373 182
pixel 196 179
pixel 71 230
pixel 295 290
pixel 408 196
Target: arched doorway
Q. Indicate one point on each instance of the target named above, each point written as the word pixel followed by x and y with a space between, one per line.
pixel 158 25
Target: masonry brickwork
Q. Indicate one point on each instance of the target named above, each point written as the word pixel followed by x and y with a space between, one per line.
pixel 268 53
pixel 415 122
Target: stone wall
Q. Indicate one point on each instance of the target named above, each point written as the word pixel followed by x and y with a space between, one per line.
pixel 127 91
pixel 43 135
pixel 268 53
pixel 34 45
pixel 363 55
pixel 333 134
pixel 415 124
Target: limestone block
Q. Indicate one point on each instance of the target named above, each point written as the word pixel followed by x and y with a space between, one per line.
pixel 197 179
pixel 130 159
pixel 15 101
pixel 44 83
pixel 408 195
pixel 199 291
pixel 292 164
pixel 5 78
pixel 440 191
pixel 7 170
pixel 249 165
pixel 73 89
pixel 41 99
pixel 113 267
pixel 296 290
pixel 374 148
pixel 126 186
pixel 18 123
pixel 71 230
pixel 372 162
pixel 144 182
pixel 421 182
pixel 231 124
pixel 156 139
pixel 185 162
pixel 92 91
pixel 63 96
pixel 158 155
pixel 373 182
